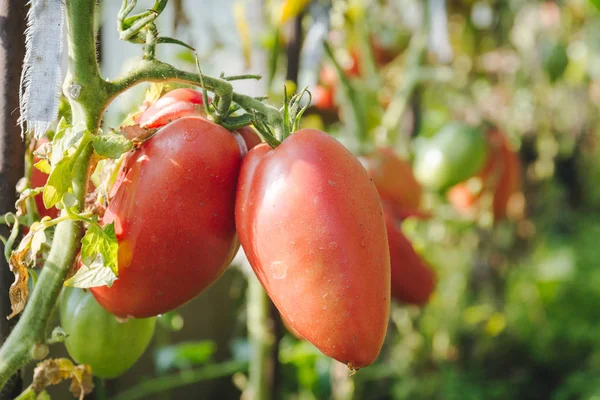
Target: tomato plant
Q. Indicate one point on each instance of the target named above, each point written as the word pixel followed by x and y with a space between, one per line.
pixel 173 213
pixel 312 227
pixel 455 153
pixel 501 175
pixel 95 337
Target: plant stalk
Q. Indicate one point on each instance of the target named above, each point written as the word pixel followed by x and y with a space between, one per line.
pixel 85 89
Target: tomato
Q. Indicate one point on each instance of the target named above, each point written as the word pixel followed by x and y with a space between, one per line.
pixel 250 137
pixel 187 102
pixel 323 97
pixel 173 210
pixel 95 337
pixel 455 153
pixel 173 105
pixel 501 174
pixel 413 281
pixel 394 179
pixel 39 179
pixel 291 329
pixel 311 224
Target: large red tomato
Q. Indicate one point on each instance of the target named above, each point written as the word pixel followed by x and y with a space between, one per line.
pixel 173 105
pixel 311 224
pixel 501 175
pixel 394 180
pixel 413 281
pixel 173 210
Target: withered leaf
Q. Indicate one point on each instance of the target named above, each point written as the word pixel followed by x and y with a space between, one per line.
pixel 53 371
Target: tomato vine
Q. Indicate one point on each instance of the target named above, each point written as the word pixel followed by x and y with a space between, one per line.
pixel 89 94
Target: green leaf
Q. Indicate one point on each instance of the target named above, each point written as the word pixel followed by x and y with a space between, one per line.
pixel 184 355
pixel 59 182
pixel 102 243
pixel 64 138
pixel 596 3
pixel 43 166
pixel 94 275
pixel 111 145
pixel 169 40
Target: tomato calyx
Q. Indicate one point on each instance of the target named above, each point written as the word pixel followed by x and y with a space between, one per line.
pixel 290 120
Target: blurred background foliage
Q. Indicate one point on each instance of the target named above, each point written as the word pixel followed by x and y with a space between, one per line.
pixel 515 313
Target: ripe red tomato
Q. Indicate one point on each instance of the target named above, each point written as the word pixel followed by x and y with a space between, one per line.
pixel 311 224
pixel 180 103
pixel 173 105
pixel 501 174
pixel 250 137
pixel 413 281
pixel 394 180
pixel 39 179
pixel 173 210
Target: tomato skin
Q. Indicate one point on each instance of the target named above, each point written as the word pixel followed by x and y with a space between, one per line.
pixel 501 174
pixel 412 280
pixel 173 210
pixel 173 105
pixel 311 224
pixel 394 180
pixel 96 338
pixel 250 137
pixel 455 153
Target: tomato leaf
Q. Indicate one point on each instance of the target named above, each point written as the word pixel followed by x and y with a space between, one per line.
pixel 59 182
pixel 43 166
pixel 99 242
pixel 64 138
pixel 111 145
pixel 94 275
pixel 55 370
pixel 184 355
pixel 21 203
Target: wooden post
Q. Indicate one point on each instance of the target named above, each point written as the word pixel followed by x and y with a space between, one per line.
pixel 12 51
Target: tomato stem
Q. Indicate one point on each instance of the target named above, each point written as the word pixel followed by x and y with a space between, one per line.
pixel 86 91
pixel 158 71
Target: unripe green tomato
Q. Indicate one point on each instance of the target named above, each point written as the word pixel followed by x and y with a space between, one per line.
pixel 455 153
pixel 95 337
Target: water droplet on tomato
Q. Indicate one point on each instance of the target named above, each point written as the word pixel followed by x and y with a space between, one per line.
pixel 278 269
pixel 190 135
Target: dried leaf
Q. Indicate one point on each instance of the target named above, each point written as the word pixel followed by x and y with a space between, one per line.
pixel 19 290
pixel 53 371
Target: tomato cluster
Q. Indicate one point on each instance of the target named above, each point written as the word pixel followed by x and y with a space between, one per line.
pixel 319 226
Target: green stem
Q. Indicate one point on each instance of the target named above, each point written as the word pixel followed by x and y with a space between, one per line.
pixel 157 71
pixel 30 329
pixel 261 340
pixel 86 92
pixel 179 379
